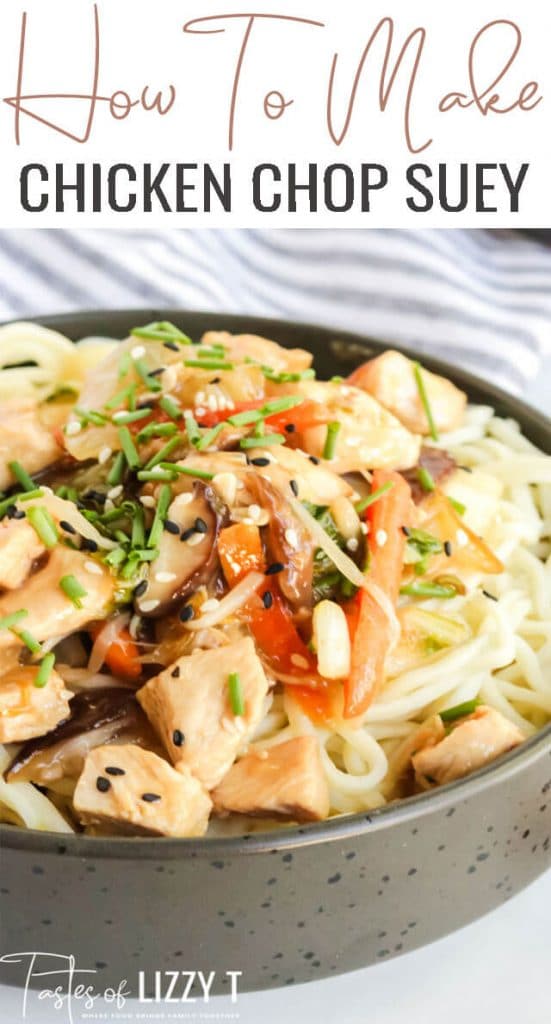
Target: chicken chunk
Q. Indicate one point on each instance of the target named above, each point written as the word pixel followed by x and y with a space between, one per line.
pixel 474 742
pixel 240 347
pixel 316 484
pixel 189 706
pixel 140 792
pixel 391 380
pixel 27 710
pixel 369 437
pixel 24 438
pixel 20 546
pixel 285 781
pixel 50 613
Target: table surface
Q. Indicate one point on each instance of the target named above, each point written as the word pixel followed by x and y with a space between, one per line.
pixel 496 969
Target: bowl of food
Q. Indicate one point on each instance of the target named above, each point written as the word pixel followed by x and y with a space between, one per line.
pixel 275 638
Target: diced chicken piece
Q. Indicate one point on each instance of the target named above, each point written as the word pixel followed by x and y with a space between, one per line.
pixel 370 437
pixel 189 706
pixel 284 781
pixel 50 612
pixel 317 484
pixel 240 347
pixel 213 390
pixel 391 380
pixel 24 438
pixel 19 548
pixel 27 710
pixel 140 792
pixel 474 742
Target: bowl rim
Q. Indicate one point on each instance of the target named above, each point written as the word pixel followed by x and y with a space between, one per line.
pixel 344 826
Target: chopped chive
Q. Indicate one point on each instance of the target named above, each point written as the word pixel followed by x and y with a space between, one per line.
pixel 125 363
pixel 129 448
pixel 287 378
pixel 192 430
pixel 138 527
pixel 425 401
pixel 425 479
pixel 209 364
pixel 157 474
pixel 115 557
pixel 28 639
pixel 73 589
pixel 459 710
pixel 164 452
pixel 156 532
pixel 43 524
pixel 374 496
pixel 207 439
pixel 87 416
pixel 425 543
pixel 145 554
pixel 170 407
pixel 44 671
pixel 206 352
pixel 161 330
pixel 31 495
pixel 131 417
pixel 156 430
pixel 426 589
pixel 458 506
pixel 116 473
pixel 150 382
pixel 245 418
pixel 8 503
pixel 259 429
pixel 331 440
pixel 237 701
pixel 22 476
pixel 281 404
pixel 11 620
pixel 120 397
pixel 201 474
pixel 261 440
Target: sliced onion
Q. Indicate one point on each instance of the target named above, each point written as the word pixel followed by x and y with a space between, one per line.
pixel 81 679
pixel 67 510
pixel 231 603
pixel 107 636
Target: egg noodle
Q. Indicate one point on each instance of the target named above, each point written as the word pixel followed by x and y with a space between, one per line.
pixel 503 653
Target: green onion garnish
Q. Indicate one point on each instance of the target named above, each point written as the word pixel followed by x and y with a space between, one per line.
pixel 156 532
pixel 287 378
pixel 373 497
pixel 425 401
pixel 150 382
pixel 131 417
pixel 73 589
pixel 30 495
pixel 209 364
pixel 138 527
pixel 425 543
pixel 209 437
pixel 426 589
pixel 87 416
pixel 243 419
pixel 121 396
pixel 116 473
pixel 170 407
pixel 425 479
pixel 261 440
pixel 158 474
pixel 115 557
pixel 460 710
pixel 458 506
pixel 164 452
pixel 192 430
pixel 28 639
pixel 44 671
pixel 22 476
pixel 11 620
pixel 43 524
pixel 156 430
pixel 201 474
pixel 161 330
pixel 129 448
pixel 331 440
pixel 125 363
pixel 237 700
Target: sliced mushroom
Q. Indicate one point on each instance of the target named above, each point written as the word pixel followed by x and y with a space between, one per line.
pixel 288 543
pixel 437 462
pixel 187 558
pixel 109 715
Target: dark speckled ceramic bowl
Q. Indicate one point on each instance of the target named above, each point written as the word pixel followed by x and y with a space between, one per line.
pixel 303 903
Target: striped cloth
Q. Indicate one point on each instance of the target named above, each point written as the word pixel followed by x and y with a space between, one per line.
pixel 479 299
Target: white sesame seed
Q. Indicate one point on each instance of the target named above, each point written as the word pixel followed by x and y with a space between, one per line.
pixel 212 403
pixel 263 755
pixel 291 537
pixel 364 528
pixel 195 539
pixel 210 605
pixel 461 538
pixel 185 499
pixel 255 511
pixel 105 454
pixel 109 506
pixel 157 470
pixel 200 411
pixel 115 492
pixel 299 661
pixel 93 568
pixel 352 442
pixel 147 501
pixel 200 398
pixel 72 428
pixel 137 352
pixel 381 538
pixel 352 544
pixel 165 577
pixel 149 606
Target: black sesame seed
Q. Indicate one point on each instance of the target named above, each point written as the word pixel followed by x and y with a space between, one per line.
pixel 290 428
pixel 140 590
pixel 466 469
pixel 294 487
pixel 314 460
pixel 171 345
pixel 113 770
pixel 150 798
pixel 200 526
pixel 406 531
pixel 274 568
pixel 102 784
pixel 491 597
pixel 66 526
pixel 157 372
pixel 88 545
pixel 186 613
pixel 178 738
pixel 448 548
pixel 267 599
pixel 171 527
pixel 215 380
pixel 17 513
pixel 260 461
pixel 186 534
pixel 96 496
pixel 176 672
